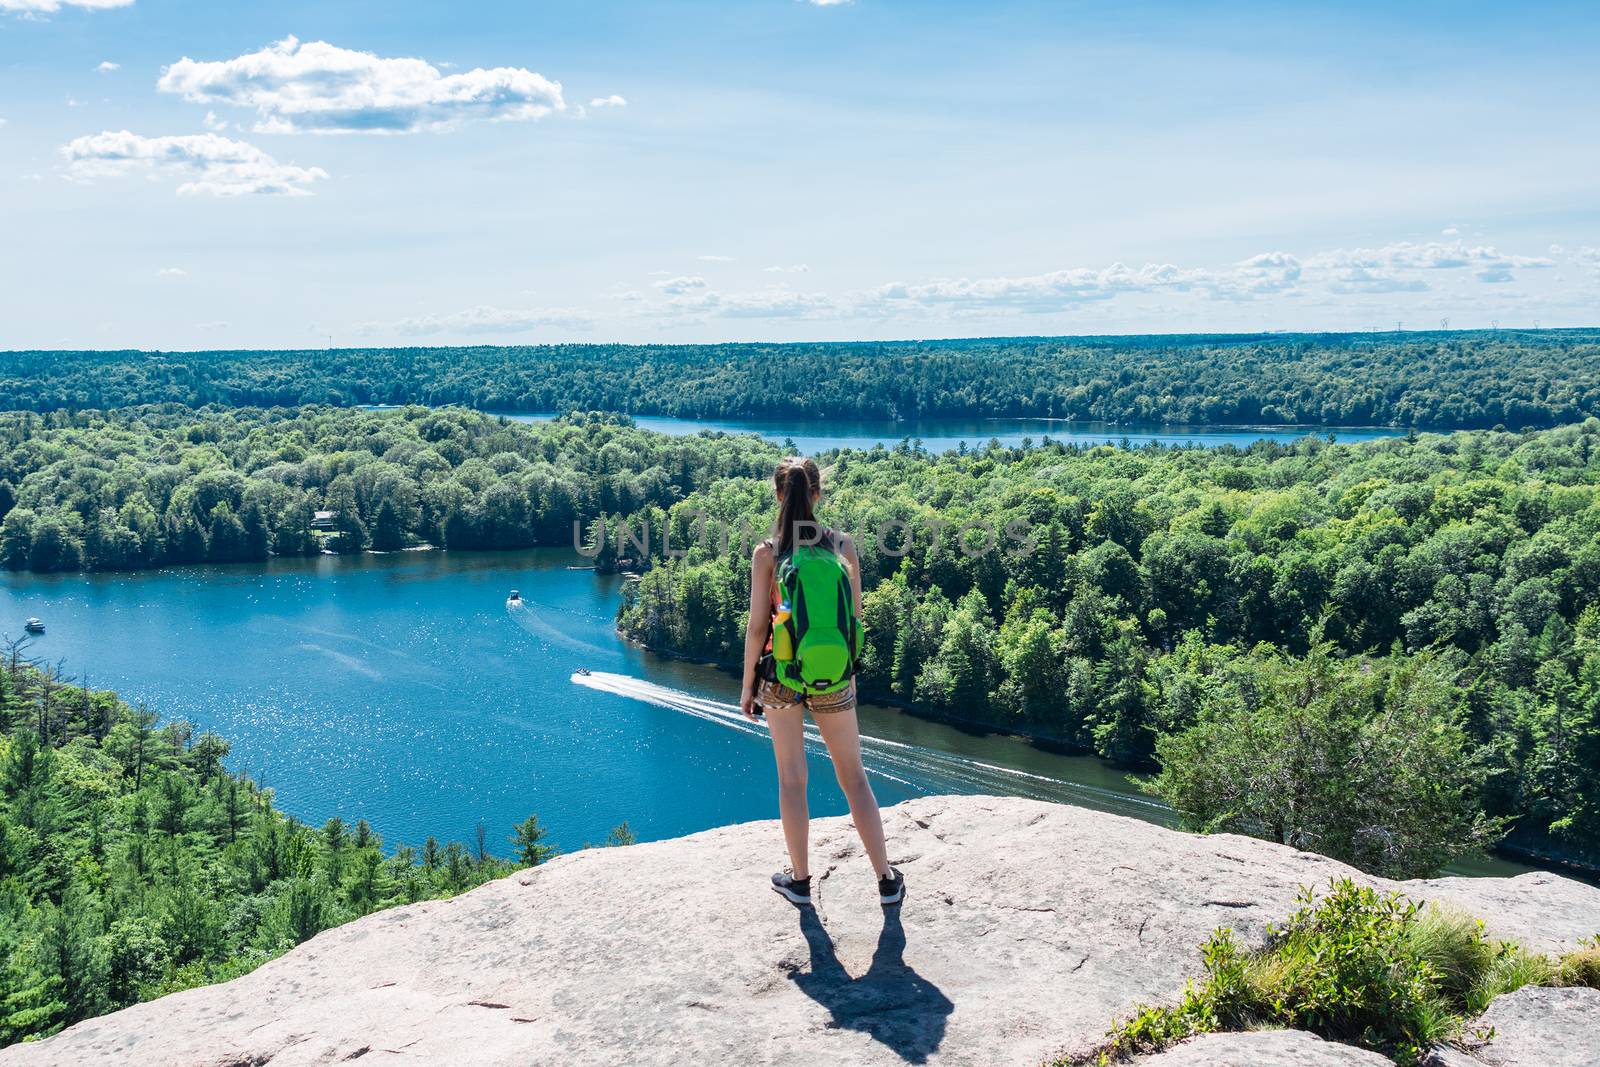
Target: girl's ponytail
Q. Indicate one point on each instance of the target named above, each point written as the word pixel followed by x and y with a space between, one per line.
pixel 798 482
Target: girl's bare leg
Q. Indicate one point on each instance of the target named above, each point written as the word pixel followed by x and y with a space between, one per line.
pixel 843 736
pixel 787 726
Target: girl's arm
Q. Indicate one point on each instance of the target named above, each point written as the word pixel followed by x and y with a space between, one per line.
pixel 755 631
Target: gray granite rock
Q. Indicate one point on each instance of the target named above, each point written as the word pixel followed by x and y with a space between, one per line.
pixel 1027 928
pixel 1536 1027
pixel 1449 1056
pixel 1264 1048
pixel 1563 917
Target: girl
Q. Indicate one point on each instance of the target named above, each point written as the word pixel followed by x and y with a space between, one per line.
pixel 798 484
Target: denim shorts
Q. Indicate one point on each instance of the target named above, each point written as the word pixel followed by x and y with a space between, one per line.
pixel 775 695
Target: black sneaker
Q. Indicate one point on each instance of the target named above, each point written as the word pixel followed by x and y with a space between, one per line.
pixel 797 890
pixel 892 890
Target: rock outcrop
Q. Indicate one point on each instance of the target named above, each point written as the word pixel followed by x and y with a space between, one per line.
pixel 1542 1028
pixel 1026 929
pixel 1265 1048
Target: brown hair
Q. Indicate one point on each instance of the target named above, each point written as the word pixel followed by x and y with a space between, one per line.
pixel 798 482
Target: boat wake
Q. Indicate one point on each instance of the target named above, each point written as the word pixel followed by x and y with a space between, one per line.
pixel 916 767
pixel 532 620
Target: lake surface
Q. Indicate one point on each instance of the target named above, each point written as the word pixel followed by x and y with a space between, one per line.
pixel 402 689
pixel 811 436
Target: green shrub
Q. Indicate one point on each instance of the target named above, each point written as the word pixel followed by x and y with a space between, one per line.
pixel 1581 968
pixel 1358 966
pixel 1352 972
pixel 1513 968
pixel 1453 944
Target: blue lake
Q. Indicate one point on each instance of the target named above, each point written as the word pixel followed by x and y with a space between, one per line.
pixel 402 688
pixel 811 436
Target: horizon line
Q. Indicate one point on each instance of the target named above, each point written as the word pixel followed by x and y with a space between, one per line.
pixel 1225 336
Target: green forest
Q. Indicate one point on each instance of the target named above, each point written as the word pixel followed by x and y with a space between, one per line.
pixel 133 863
pixel 165 485
pixel 1387 652
pixel 1441 381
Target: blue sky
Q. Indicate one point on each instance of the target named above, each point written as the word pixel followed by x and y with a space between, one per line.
pixel 243 174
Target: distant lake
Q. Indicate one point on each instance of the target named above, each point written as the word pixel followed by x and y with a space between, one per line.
pixel 402 688
pixel 811 436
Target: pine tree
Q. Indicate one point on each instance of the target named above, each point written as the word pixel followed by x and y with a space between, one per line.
pixel 528 837
pixel 387 531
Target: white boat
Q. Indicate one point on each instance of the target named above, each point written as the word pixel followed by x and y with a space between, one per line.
pixel 34 626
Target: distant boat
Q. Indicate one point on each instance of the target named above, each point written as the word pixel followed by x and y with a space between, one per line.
pixel 34 626
pixel 583 671
pixel 514 598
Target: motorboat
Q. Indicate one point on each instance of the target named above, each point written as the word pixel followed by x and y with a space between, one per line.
pixel 583 671
pixel 514 598
pixel 34 626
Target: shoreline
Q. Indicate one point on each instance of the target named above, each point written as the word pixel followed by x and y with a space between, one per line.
pixel 1556 864
pixel 1517 851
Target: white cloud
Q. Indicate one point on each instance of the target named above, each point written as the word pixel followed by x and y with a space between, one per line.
pixel 775 303
pixel 678 286
pixel 1360 279
pixel 319 88
pixel 1052 291
pixel 173 272
pixel 211 325
pixel 106 66
pixel 1431 255
pixel 1394 270
pixel 485 319
pixel 608 101
pixel 828 3
pixel 204 163
pixel 715 259
pixel 1397 267
pixel 214 124
pixel 1587 259
pixel 1269 272
pixel 1411 279
pixel 1451 231
pixel 50 7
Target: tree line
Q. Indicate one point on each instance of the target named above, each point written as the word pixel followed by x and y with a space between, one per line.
pixel 1387 652
pixel 161 485
pixel 1456 380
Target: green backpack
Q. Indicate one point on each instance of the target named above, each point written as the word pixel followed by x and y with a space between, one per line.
pixel 816 637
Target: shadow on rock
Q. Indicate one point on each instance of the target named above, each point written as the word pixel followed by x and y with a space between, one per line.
pixel 891 1003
